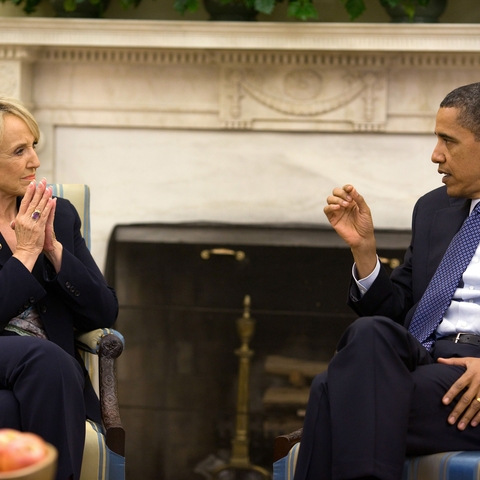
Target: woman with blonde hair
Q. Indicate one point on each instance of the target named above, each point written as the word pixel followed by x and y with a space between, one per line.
pixel 49 286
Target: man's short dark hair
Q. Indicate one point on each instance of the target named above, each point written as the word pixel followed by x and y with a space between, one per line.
pixel 467 100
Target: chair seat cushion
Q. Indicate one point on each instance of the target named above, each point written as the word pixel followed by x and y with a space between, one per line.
pixel 443 466
pixel 439 466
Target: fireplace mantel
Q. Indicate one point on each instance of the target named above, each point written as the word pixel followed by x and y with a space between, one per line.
pixel 257 36
pixel 247 122
pixel 333 77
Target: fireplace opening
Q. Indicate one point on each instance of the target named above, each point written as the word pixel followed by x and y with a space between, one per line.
pixel 181 289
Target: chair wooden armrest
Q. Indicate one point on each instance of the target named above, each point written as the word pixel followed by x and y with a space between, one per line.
pixel 110 348
pixel 108 345
pixel 283 443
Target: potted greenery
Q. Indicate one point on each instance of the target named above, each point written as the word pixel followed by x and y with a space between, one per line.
pixel 67 8
pixel 301 9
pixel 400 10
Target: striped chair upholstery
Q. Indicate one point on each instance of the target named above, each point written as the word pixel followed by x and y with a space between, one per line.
pixel 440 466
pixel 284 468
pixel 100 462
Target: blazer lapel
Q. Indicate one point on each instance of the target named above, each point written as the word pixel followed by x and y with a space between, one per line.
pixel 5 252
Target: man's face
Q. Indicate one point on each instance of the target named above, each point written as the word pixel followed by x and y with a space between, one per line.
pixel 457 154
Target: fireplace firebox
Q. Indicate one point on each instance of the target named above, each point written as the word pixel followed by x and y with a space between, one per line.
pixel 181 289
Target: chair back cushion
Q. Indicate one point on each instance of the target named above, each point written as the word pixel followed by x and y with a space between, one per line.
pixel 102 464
pixel 284 468
pixel 79 195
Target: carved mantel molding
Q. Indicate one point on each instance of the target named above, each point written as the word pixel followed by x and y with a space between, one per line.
pixel 199 86
pixel 251 76
pixel 308 77
pixel 197 35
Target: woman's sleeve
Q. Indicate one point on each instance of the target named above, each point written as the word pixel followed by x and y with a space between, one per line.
pixel 80 283
pixel 19 289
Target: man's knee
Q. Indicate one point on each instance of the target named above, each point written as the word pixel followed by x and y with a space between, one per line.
pixel 366 326
pixel 375 322
pixel 319 380
pixel 364 332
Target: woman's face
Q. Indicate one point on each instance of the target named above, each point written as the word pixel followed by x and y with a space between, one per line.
pixel 18 159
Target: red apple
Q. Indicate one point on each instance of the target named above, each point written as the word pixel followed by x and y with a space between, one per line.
pixel 20 449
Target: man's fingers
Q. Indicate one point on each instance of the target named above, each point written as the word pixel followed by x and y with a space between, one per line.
pixel 461 407
pixel 453 361
pixel 471 415
pixel 462 382
pixel 467 390
pixel 476 419
pixel 454 390
pixel 359 200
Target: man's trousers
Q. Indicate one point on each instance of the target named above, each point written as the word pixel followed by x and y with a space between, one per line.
pixel 379 401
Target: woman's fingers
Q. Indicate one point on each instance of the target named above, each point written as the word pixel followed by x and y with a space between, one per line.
pixel 34 212
pixel 38 207
pixel 27 198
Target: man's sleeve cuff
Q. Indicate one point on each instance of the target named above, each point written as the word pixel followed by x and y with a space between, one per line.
pixel 364 284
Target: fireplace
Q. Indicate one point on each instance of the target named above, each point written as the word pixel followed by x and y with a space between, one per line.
pixel 181 289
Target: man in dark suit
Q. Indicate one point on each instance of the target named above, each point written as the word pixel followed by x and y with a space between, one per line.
pixel 390 392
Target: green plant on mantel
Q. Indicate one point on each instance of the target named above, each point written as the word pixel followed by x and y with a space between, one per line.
pixel 300 9
pixel 29 6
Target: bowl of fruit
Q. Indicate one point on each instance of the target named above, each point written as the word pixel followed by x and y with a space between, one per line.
pixel 26 456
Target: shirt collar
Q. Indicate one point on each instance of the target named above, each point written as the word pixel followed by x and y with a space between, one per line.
pixel 473 203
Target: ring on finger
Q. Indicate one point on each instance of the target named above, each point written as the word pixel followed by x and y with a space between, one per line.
pixel 478 399
pixel 36 216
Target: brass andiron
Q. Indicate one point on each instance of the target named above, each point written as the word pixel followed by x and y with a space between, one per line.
pixel 239 466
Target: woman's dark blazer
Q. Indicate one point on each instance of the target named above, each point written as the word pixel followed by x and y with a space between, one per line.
pixel 78 297
pixel 436 219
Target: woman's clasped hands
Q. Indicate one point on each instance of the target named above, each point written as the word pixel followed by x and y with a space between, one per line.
pixel 34 229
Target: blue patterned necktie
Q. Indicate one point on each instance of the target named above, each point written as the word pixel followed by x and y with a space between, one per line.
pixel 442 286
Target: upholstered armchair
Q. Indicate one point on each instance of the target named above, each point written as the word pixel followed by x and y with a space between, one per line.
pixel 439 466
pixel 104 454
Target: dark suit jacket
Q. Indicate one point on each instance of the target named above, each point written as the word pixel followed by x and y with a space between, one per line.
pixel 77 297
pixel 436 219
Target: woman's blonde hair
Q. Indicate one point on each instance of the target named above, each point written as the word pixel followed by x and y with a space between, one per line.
pixel 13 106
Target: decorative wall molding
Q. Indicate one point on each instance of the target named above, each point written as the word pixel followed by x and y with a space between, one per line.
pixel 239 122
pixel 8 79
pixel 346 95
pixel 124 56
pixel 248 76
pixel 200 35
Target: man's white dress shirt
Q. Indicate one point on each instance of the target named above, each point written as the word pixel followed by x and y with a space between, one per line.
pixel 463 315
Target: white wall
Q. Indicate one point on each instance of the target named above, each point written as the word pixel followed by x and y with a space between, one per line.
pixel 147 175
pixel 246 122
